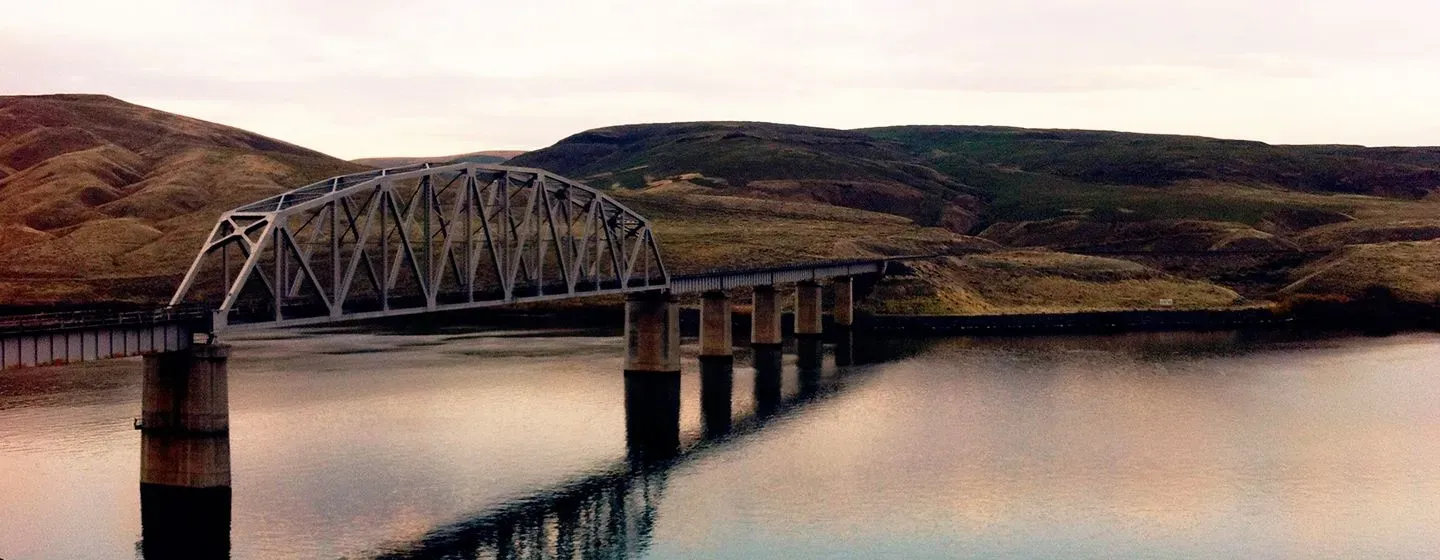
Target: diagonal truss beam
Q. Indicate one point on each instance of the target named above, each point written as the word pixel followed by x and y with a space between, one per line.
pixel 449 236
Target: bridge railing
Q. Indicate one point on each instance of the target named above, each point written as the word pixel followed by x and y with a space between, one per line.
pixel 74 320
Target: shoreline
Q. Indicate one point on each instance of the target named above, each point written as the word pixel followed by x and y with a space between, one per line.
pixel 1078 322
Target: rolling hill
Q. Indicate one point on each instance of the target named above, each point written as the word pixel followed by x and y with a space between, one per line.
pixel 102 200
pixel 767 161
pixel 1068 190
pixel 106 200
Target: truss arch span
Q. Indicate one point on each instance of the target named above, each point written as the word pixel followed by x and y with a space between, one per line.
pixel 417 239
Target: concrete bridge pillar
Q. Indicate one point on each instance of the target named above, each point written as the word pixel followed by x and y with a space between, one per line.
pixel 185 419
pixel 844 312
pixel 765 336
pixel 808 325
pixel 652 333
pixel 652 376
pixel 716 341
pixel 807 309
pixel 765 318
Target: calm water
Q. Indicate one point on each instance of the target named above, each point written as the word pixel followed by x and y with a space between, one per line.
pixel 431 446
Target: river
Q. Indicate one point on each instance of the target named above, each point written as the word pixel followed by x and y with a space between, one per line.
pixel 494 443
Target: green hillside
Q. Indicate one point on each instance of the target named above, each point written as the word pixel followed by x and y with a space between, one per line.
pixel 1122 158
pixel 1027 175
pixel 1065 190
pixel 763 160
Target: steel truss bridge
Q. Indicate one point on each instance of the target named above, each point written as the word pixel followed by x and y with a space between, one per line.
pixel 417 239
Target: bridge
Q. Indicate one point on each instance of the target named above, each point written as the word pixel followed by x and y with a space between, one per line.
pixel 408 241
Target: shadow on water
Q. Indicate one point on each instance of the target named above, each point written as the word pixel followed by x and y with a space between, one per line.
pixel 612 514
pixel 184 523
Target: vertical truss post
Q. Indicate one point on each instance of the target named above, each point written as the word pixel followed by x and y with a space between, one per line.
pixel 359 214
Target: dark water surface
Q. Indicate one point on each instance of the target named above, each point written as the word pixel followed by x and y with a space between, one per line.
pixel 494 445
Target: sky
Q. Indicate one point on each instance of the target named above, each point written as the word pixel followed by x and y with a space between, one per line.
pixel 436 77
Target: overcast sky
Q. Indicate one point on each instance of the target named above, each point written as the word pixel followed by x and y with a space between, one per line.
pixel 433 77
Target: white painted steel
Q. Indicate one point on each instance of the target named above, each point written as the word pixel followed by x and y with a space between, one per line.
pixel 449 236
pixel 20 349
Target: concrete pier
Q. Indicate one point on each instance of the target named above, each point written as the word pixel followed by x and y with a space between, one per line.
pixel 843 289
pixel 185 419
pixel 808 325
pixel 765 318
pixel 716 341
pixel 652 333
pixel 808 313
pixel 652 376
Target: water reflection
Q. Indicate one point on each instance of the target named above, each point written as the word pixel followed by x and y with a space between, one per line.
pixel 809 352
pixel 612 514
pixel 652 416
pixel 844 347
pixel 189 523
pixel 717 382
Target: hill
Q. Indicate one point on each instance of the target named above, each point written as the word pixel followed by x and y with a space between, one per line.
pixel 102 199
pixel 1040 282
pixel 105 201
pixel 485 156
pixel 1122 158
pixel 767 161
pixel 1067 190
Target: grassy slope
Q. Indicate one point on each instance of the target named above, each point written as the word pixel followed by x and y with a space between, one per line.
pixel 1088 190
pixel 1040 282
pixel 1411 270
pixel 1120 158
pixel 97 194
pixel 109 200
pixel 761 160
pixel 700 232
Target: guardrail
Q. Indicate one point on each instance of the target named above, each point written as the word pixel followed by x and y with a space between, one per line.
pixel 70 320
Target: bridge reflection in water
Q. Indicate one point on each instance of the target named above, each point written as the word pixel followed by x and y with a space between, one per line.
pixel 610 514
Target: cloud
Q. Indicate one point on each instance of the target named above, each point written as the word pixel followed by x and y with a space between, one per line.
pixel 380 76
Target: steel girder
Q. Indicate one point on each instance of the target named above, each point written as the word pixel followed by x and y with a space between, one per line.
pixel 417 239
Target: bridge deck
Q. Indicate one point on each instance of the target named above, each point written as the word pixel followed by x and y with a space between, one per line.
pixel 58 338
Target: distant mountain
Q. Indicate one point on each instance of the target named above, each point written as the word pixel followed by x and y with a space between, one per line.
pixel 93 188
pixel 487 156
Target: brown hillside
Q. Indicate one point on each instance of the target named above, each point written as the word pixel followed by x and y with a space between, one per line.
pixel 1157 235
pixel 96 192
pixel 1411 270
pixel 765 160
pixel 1040 282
